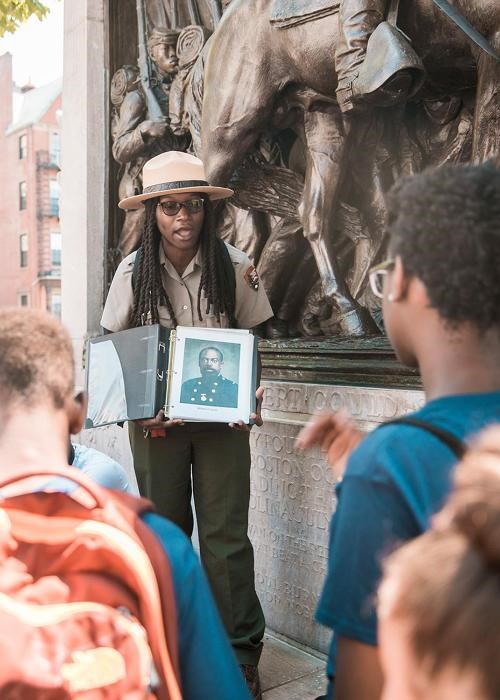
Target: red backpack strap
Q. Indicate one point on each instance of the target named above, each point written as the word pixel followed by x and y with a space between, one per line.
pixel 134 508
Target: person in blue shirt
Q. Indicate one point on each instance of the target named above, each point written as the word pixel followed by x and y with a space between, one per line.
pixel 38 412
pixel 438 604
pixel 100 467
pixel 441 303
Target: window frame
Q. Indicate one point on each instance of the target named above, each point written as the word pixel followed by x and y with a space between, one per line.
pixel 58 310
pixel 55 153
pixel 53 249
pixel 54 201
pixel 22 147
pixel 23 251
pixel 23 195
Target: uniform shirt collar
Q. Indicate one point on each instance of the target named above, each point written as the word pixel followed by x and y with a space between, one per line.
pixel 170 269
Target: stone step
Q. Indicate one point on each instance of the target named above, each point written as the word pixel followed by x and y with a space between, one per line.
pixel 290 672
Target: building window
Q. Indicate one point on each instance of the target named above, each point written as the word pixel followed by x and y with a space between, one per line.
pixel 55 148
pixel 23 146
pixel 54 197
pixel 23 190
pixel 23 249
pixel 55 248
pixel 23 300
pixel 55 305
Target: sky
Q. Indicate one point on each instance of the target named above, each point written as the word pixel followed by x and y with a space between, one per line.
pixel 37 47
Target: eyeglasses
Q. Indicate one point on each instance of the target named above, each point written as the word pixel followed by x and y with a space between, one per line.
pixel 376 276
pixel 172 208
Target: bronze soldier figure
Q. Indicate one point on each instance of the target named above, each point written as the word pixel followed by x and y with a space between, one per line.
pixel 137 135
pixel 390 72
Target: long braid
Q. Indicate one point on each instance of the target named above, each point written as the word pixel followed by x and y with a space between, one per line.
pixel 148 288
pixel 208 282
pixel 218 280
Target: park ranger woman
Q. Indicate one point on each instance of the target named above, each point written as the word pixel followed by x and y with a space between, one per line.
pixel 185 275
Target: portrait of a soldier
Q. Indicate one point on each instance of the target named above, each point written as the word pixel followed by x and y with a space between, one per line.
pixel 211 388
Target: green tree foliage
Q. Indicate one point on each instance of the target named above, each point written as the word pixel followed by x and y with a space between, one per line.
pixel 15 12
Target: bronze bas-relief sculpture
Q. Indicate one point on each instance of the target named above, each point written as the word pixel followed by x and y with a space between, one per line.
pixel 258 102
pixel 140 127
pixel 254 70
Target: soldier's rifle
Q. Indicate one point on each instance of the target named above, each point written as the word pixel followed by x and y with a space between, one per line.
pixel 145 69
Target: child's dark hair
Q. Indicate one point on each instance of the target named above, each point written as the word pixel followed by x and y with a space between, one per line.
pixel 217 273
pixel 445 225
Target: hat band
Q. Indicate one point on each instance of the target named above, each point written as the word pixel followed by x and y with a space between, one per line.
pixel 179 185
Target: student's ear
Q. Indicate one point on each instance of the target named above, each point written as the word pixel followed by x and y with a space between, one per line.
pixel 397 281
pixel 77 411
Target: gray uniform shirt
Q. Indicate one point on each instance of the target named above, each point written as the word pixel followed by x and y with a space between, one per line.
pixel 252 304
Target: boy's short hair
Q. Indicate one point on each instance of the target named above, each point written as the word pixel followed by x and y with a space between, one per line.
pixel 445 225
pixel 36 359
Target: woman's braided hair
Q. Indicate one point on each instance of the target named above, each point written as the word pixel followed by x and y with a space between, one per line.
pixel 217 283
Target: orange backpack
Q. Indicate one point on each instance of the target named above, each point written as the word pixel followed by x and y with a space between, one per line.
pixel 85 588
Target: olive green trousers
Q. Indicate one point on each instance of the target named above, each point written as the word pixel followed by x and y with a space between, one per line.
pixel 211 462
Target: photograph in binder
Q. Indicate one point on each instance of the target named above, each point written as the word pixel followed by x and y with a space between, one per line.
pixel 194 374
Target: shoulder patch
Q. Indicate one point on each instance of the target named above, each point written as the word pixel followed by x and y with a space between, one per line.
pixel 252 278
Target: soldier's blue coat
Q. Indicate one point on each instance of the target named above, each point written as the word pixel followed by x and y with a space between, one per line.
pixel 217 391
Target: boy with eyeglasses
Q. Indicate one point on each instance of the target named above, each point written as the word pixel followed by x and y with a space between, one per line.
pixel 441 306
pixel 185 275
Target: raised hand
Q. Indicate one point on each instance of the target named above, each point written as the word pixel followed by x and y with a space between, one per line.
pixel 335 433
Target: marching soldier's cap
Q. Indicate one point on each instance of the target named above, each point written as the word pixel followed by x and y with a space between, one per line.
pixel 173 172
pixel 163 35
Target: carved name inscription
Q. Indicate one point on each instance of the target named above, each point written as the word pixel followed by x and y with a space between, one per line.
pixel 365 404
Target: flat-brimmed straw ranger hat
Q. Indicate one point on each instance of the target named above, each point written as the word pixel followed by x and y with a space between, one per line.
pixel 173 172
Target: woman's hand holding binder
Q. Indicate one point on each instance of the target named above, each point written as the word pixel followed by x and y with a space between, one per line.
pixel 255 418
pixel 157 426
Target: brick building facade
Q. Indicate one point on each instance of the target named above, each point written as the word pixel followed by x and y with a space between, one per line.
pixel 30 236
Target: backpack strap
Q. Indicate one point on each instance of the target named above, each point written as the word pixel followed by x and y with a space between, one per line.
pixel 457 446
pixel 135 269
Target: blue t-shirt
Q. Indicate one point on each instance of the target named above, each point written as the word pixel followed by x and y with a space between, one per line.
pixel 207 662
pixel 394 482
pixel 101 468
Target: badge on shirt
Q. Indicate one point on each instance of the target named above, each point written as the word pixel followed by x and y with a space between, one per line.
pixel 252 278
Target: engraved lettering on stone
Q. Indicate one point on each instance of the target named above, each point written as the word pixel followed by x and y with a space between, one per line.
pixel 291 503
